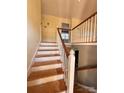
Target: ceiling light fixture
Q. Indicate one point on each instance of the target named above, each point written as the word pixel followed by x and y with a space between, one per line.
pixel 79 0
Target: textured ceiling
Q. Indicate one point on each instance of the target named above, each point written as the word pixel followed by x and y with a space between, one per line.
pixel 69 8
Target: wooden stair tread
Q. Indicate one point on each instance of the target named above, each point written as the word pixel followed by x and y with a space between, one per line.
pixel 48 49
pixel 46 63
pixel 46 55
pixel 48 45
pixel 48 42
pixel 50 87
pixel 45 73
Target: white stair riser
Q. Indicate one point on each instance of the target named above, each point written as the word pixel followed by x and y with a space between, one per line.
pixel 48 52
pixel 63 92
pixel 46 67
pixel 45 80
pixel 48 43
pixel 41 59
pixel 48 48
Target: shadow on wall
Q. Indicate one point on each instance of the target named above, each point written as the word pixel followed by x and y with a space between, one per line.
pixel 87 56
pixel 33 27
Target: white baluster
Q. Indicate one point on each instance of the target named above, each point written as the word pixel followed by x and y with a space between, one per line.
pixel 80 36
pixel 85 31
pixel 96 27
pixel 81 33
pixel 91 36
pixel 88 30
pixel 94 38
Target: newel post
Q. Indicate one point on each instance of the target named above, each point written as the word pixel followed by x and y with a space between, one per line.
pixel 71 71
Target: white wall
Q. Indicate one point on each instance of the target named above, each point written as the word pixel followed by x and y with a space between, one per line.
pixel 33 27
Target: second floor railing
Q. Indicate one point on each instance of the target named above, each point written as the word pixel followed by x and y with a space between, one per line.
pixel 86 31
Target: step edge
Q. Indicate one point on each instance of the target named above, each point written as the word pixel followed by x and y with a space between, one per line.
pixel 42 68
pixel 40 55
pixel 40 81
pixel 45 64
pixel 63 89
pixel 49 75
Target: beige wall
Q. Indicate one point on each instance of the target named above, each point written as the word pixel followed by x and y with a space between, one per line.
pixel 33 27
pixel 74 22
pixel 87 56
pixel 75 34
pixel 50 32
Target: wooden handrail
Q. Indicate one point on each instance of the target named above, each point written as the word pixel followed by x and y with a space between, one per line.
pixel 83 21
pixel 63 44
pixel 64 29
pixel 87 67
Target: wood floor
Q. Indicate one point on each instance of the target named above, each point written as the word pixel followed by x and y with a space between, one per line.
pixel 78 89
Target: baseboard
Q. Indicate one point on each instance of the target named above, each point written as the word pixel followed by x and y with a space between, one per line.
pixel 87 87
pixel 79 43
pixel 29 68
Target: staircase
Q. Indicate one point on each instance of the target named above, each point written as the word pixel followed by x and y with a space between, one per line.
pixel 53 66
pixel 47 75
